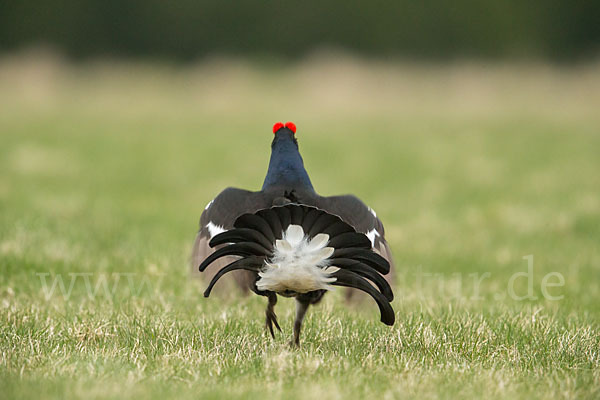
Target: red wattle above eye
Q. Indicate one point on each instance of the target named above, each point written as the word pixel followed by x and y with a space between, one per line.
pixel 277 127
pixel 291 126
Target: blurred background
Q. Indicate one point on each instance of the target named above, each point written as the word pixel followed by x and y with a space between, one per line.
pixel 186 30
pixel 471 127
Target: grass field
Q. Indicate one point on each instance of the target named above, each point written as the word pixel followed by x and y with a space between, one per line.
pixel 106 167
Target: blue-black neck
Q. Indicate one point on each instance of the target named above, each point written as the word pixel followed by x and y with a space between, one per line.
pixel 286 168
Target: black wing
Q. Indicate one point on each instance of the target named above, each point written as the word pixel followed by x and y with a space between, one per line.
pixel 362 218
pixel 219 216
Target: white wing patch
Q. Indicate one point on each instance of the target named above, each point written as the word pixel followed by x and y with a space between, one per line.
pixel 372 234
pixel 373 212
pixel 214 230
pixel 298 264
pixel 209 204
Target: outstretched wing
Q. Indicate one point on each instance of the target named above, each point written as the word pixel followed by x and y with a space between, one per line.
pixel 362 218
pixel 219 215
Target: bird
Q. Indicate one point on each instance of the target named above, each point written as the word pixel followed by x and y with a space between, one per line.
pixel 287 240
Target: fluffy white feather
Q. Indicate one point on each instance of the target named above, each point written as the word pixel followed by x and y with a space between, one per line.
pixel 298 264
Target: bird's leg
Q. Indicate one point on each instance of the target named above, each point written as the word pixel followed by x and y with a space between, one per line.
pixel 270 314
pixel 301 307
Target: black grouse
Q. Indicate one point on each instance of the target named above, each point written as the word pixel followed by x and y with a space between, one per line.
pixel 287 240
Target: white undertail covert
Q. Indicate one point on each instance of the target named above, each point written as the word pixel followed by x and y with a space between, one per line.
pixel 298 264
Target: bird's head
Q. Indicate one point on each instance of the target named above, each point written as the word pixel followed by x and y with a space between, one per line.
pixel 284 134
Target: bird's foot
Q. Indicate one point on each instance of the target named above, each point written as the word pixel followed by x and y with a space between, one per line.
pixel 270 320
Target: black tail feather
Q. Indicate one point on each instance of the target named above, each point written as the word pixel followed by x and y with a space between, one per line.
pixel 322 222
pixel 350 239
pixel 250 263
pixel 243 249
pixel 297 214
pixel 309 219
pixel 365 271
pixel 273 220
pixel 351 279
pixel 238 235
pixel 253 221
pixel 284 216
pixel 369 257
pixel 337 228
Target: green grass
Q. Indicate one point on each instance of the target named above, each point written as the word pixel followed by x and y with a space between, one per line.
pixel 105 169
